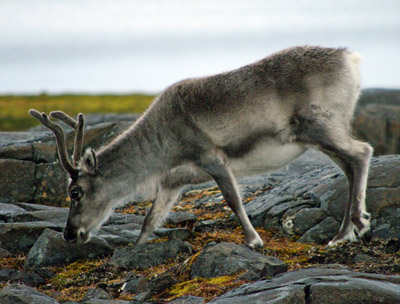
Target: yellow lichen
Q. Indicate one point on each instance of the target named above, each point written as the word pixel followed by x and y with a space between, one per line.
pixel 207 288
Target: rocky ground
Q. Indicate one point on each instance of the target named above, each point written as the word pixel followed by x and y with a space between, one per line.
pixel 198 256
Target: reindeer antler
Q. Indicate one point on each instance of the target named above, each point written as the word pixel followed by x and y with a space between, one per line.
pixel 44 119
pixel 78 127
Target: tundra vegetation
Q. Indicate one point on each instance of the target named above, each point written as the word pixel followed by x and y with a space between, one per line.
pixel 14 118
pixel 73 281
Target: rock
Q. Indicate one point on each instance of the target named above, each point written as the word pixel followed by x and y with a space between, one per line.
pixel 17 145
pixel 121 219
pixel 4 253
pixel 8 211
pixel 362 257
pixel 129 232
pixel 51 250
pixel 393 245
pixel 36 207
pixel 377 120
pixel 29 278
pixel 18 151
pixel 44 152
pixel 24 154
pixel 173 233
pixel 209 225
pixel 156 286
pixel 116 241
pixel 5 274
pixel 19 237
pixel 188 300
pixel 96 293
pixel 318 285
pixel 379 96
pixel 306 218
pixel 57 217
pixel 228 259
pixel 150 254
pixel 51 182
pixel 145 288
pixel 322 233
pixel 311 205
pixel 294 191
pixel 16 180
pixel 21 294
pixel 103 301
pixel 135 284
pixel 180 218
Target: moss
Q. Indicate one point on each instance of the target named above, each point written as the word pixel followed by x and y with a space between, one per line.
pixel 197 194
pixel 202 287
pixel 138 208
pixel 294 254
pixel 69 282
pixel 13 262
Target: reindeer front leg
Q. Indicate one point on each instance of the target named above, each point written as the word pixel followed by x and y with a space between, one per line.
pixel 165 200
pixel 223 176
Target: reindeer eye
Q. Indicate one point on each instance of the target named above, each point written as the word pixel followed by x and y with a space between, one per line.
pixel 75 194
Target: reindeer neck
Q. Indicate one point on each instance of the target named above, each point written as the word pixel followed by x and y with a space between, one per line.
pixel 135 155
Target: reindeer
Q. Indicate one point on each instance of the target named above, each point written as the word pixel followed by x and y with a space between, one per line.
pixel 250 120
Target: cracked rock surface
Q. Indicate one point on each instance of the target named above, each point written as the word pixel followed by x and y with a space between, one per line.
pixel 328 284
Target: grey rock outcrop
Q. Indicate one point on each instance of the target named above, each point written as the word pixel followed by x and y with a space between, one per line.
pixel 377 120
pixel 29 163
pixel 311 204
pixel 334 285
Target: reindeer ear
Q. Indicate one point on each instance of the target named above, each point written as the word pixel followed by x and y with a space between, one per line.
pixel 89 161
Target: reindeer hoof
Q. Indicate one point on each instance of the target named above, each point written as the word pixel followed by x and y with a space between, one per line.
pixel 255 243
pixel 367 237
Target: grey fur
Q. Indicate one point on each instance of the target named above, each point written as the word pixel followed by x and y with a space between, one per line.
pixel 253 119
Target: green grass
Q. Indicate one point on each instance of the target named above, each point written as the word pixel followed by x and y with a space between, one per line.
pixel 14 109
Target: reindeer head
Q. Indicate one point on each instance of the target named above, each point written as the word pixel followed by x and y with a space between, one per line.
pixel 89 198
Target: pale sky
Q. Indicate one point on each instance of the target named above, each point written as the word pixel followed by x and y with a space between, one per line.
pixel 126 46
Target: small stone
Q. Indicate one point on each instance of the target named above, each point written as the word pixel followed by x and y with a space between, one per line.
pixel 4 253
pixel 173 233
pixel 20 237
pixel 362 258
pixel 180 218
pixel 5 274
pixel 321 233
pixel 96 293
pixel 150 254
pixel 51 250
pixel 135 284
pixel 228 259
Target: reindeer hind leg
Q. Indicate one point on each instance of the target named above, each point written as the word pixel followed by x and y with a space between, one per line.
pixel 335 140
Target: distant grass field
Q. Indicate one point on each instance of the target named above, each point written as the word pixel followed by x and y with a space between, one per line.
pixel 14 109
